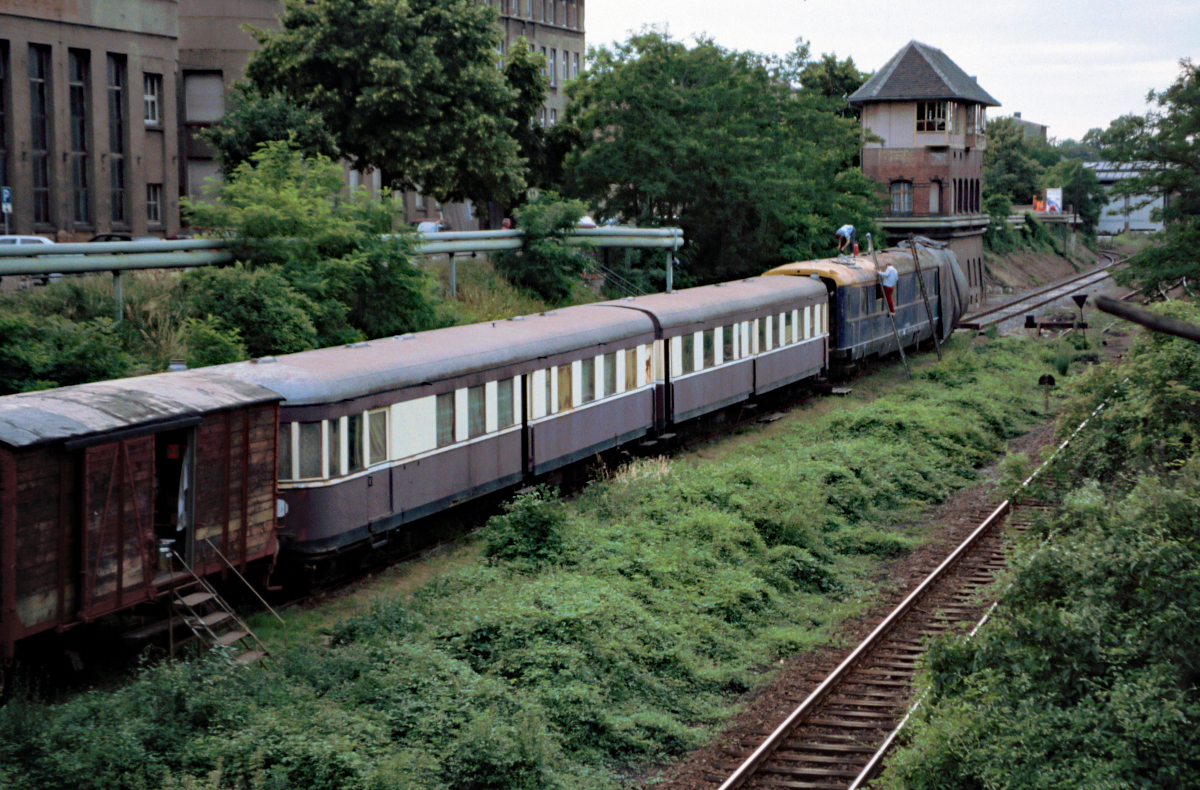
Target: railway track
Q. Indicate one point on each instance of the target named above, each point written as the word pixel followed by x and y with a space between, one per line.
pixel 839 734
pixel 1043 296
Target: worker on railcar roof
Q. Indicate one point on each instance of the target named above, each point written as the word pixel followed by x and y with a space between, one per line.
pixel 845 239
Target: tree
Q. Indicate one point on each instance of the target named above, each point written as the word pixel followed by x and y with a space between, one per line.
pixel 836 80
pixel 544 263
pixel 39 352
pixel 721 144
pixel 1008 167
pixel 253 119
pixel 1164 144
pixel 407 86
pixel 321 267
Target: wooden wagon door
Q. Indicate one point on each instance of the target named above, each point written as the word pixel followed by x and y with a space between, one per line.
pixel 118 528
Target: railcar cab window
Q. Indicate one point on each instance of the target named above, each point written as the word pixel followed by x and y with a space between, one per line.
pixel 445 419
pixel 588 380
pixel 336 462
pixel 354 443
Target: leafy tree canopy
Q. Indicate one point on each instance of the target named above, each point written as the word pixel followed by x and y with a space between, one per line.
pixel 836 80
pixel 1165 145
pixel 253 119
pixel 1008 165
pixel 321 266
pixel 545 264
pixel 721 144
pixel 39 352
pixel 407 86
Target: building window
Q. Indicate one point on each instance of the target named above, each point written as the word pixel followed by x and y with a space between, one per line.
pixel 154 203
pixel 575 66
pixel 553 117
pixel 931 116
pixel 77 81
pixel 204 97
pixel 39 122
pixel 152 99
pixel 552 62
pixel 543 117
pixel 902 197
pixel 116 138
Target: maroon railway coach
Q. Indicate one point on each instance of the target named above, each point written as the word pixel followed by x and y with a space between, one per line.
pixel 110 492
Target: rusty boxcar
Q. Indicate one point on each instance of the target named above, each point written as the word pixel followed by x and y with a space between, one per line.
pixel 102 485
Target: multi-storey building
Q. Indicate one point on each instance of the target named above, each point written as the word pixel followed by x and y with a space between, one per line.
pixel 88 139
pixel 932 120
pixel 101 102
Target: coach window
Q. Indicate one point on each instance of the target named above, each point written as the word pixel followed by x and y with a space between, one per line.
pixel 445 419
pixel 504 403
pixel 710 347
pixel 631 369
pixel 588 380
pixel 377 433
pixel 476 411
pixel 728 344
pixel 285 451
pixel 310 450
pixel 565 402
pixel 763 324
pixel 610 373
pixel 688 342
pixel 551 405
pixel 354 443
pixel 333 446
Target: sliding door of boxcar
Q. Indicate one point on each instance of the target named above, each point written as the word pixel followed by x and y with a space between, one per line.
pixel 118 528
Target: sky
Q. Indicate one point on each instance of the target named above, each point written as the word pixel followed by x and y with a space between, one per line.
pixel 1071 66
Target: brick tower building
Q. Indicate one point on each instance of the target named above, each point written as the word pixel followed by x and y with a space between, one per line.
pixel 931 117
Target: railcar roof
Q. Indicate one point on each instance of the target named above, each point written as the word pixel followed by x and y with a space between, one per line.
pixel 694 305
pixel 331 375
pixel 84 410
pixel 857 269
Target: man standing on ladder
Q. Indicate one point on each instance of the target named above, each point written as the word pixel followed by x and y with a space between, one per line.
pixel 845 239
pixel 888 280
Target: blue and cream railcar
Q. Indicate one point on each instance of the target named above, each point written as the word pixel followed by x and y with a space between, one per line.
pixel 721 344
pixel 860 325
pixel 382 433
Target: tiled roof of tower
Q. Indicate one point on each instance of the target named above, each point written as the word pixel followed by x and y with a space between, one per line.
pixel 919 71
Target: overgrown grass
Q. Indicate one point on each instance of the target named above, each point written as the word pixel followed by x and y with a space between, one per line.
pixel 593 637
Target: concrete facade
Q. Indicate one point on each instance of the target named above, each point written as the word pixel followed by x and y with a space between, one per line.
pixel 83 146
pixel 101 102
pixel 932 120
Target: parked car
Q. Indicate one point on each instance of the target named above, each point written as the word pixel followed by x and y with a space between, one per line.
pixel 111 237
pixel 43 278
pixel 433 226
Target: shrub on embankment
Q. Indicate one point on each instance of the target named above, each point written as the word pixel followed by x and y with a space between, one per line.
pixel 620 636
pixel 1088 675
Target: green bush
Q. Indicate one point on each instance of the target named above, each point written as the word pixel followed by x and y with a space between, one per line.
pixel 545 264
pixel 529 535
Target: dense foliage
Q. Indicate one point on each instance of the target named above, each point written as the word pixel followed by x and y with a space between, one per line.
pixel 407 86
pixel 1164 147
pixel 544 263
pixel 39 352
pixel 600 634
pixel 1008 167
pixel 1087 676
pixel 252 119
pixel 756 169
pixel 321 267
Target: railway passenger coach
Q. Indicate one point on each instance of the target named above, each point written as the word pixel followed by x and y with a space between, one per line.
pixel 314 453
pixel 379 434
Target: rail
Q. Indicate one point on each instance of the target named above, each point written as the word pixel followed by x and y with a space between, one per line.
pixel 1042 296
